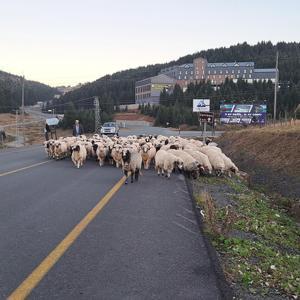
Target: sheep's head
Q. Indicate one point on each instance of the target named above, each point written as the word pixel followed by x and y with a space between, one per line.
pixel 179 163
pixel 126 156
pixel 145 148
pixel 75 148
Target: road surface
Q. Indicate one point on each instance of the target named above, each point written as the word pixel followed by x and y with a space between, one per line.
pixel 145 243
pixel 134 129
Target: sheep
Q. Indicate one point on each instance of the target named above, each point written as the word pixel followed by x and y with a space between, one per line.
pixel 78 154
pixel 116 154
pixel 190 165
pixel 229 165
pixel 166 162
pixel 131 162
pixel 215 157
pixel 202 159
pixel 189 154
pixel 101 152
pixel 60 149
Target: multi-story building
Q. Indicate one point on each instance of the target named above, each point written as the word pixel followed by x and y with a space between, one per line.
pixel 216 73
pixel 148 90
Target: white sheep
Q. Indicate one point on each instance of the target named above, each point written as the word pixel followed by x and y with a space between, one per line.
pixel 202 159
pixel 131 162
pixel 78 154
pixel 166 162
pixel 116 154
pixel 190 165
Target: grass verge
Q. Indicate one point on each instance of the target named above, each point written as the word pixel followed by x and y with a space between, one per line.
pixel 259 244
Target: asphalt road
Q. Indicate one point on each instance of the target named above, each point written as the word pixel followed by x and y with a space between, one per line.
pixel 137 130
pixel 144 244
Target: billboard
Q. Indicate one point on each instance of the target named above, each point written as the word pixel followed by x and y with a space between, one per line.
pixel 243 113
pixel 201 105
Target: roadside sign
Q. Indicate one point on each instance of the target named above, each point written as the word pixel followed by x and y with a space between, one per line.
pixel 52 121
pixel 201 105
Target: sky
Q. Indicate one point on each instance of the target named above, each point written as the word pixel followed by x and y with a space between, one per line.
pixel 66 42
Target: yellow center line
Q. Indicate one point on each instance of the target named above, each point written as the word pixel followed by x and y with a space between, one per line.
pixel 25 288
pixel 24 168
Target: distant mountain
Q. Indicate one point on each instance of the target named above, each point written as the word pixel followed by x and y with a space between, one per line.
pixel 11 92
pixel 118 88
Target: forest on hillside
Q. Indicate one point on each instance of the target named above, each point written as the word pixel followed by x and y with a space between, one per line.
pixel 11 92
pixel 176 108
pixel 118 88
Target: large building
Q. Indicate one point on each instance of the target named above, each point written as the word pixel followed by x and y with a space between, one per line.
pixel 148 90
pixel 216 73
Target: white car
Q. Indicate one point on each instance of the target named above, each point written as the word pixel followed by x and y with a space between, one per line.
pixel 110 128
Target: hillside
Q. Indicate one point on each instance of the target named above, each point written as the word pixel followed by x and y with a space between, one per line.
pixel 118 88
pixel 270 155
pixel 11 89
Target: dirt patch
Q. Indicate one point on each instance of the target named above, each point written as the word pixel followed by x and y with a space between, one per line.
pixel 133 117
pixel 270 155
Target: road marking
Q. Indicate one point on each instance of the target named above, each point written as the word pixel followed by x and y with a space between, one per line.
pixel 25 288
pixel 9 151
pixel 189 220
pixel 185 228
pixel 24 168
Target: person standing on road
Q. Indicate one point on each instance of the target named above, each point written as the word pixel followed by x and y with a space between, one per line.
pixel 47 131
pixel 77 128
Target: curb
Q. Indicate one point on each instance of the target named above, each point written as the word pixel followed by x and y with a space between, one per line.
pixel 225 290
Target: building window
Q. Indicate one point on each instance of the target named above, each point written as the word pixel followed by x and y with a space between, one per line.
pixel 237 76
pixel 221 72
pixel 209 72
pixel 184 77
pixel 215 72
pixel 226 71
pixel 179 77
pixel 179 72
pixel 250 71
pixel 232 71
pixel 192 72
pixel 239 71
pixel 244 76
pixel 186 72
pixel 245 71
pixel 249 75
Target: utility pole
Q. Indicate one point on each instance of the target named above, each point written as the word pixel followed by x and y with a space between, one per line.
pixel 17 127
pixel 276 86
pixel 97 115
pixel 23 129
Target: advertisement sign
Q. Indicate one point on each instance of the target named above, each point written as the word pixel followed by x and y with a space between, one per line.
pixel 243 113
pixel 201 105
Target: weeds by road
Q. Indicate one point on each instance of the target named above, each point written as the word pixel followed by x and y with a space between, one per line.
pixel 259 244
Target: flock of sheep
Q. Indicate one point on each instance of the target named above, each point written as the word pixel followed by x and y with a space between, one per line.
pixel 168 154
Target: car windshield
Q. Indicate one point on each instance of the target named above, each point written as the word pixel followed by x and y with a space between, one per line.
pixel 109 125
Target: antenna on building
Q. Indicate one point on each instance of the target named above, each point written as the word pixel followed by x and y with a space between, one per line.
pixel 97 115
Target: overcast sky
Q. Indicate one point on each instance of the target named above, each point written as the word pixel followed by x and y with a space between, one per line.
pixel 64 42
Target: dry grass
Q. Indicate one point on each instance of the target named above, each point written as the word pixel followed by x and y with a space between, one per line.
pixel 274 146
pixel 219 222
